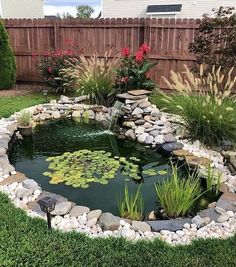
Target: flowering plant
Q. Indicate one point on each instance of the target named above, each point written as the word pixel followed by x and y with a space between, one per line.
pixel 50 65
pixel 134 71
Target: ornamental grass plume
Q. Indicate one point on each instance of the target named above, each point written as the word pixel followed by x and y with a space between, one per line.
pixel 206 102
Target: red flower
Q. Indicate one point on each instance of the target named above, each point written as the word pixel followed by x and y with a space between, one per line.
pixel 125 79
pixel 139 56
pixel 144 48
pixel 125 52
pixel 50 69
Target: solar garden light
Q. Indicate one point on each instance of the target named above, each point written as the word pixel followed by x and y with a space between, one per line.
pixel 45 93
pixel 47 205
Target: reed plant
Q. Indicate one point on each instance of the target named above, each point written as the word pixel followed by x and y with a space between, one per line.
pixel 176 195
pixel 94 77
pixel 213 180
pixel 206 102
pixel 131 205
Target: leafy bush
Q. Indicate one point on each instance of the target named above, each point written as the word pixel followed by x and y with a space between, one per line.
pixel 177 196
pixel 205 103
pixel 216 45
pixel 24 119
pixel 7 61
pixel 51 63
pixel 94 77
pixel 134 71
pixel 131 206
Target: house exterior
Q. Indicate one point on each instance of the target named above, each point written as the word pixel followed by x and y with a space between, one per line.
pixel 160 8
pixel 20 9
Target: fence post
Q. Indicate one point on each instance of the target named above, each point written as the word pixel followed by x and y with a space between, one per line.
pixel 56 29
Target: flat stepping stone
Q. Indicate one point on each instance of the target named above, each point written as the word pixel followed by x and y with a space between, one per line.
pixel 226 202
pixel 170 225
pixel 170 147
pixel 77 211
pixel 210 212
pixel 197 161
pixel 18 177
pixel 140 226
pixel 181 153
pixel 139 92
pixel 131 97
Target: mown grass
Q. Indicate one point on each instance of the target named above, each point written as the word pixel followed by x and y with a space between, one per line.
pixel 26 242
pixel 9 105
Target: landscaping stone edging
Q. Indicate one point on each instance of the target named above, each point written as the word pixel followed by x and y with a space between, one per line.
pixel 24 192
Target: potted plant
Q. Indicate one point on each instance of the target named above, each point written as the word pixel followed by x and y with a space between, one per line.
pixel 24 123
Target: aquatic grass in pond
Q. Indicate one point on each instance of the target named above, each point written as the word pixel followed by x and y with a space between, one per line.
pixel 83 167
pixel 176 195
pixel 131 205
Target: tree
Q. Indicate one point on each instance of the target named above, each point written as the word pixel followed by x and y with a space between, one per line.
pixel 7 61
pixel 216 42
pixel 64 15
pixel 84 11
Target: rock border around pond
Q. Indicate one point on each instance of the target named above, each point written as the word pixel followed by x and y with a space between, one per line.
pixel 141 122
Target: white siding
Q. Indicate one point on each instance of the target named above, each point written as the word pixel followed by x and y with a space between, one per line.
pixel 137 8
pixel 21 9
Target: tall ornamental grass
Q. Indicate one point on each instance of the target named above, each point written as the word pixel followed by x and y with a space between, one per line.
pixel 206 102
pixel 94 77
pixel 176 195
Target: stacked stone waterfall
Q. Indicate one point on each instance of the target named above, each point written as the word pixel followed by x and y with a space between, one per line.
pixel 143 121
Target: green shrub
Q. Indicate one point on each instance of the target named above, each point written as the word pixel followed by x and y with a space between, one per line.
pixel 50 65
pixel 177 196
pixel 7 61
pixel 206 103
pixel 24 119
pixel 131 206
pixel 93 77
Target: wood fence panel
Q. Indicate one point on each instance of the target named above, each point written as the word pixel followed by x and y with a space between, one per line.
pixel 168 39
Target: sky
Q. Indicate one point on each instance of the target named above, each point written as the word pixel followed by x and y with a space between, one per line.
pixel 53 7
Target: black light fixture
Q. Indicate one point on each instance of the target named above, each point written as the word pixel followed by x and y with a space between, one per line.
pixel 47 205
pixel 45 93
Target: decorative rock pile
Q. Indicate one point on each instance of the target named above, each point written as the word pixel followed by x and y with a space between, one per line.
pixel 143 122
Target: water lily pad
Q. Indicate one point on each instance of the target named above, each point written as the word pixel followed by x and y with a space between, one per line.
pixel 83 167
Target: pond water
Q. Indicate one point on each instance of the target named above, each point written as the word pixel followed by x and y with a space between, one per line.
pixel 56 137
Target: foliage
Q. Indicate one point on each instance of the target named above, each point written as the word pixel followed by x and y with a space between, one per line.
pixel 51 63
pixel 134 71
pixel 212 180
pixel 83 167
pixel 24 119
pixel 131 206
pixel 216 45
pixel 205 103
pixel 7 59
pixel 64 15
pixel 94 77
pixel 10 105
pixel 177 196
pixel 25 241
pixel 84 11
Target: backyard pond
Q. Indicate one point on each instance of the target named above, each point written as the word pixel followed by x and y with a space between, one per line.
pixel 103 165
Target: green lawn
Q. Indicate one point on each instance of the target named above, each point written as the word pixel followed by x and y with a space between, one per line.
pixel 26 242
pixel 9 105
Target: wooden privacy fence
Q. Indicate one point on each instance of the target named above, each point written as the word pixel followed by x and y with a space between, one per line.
pixel 168 39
